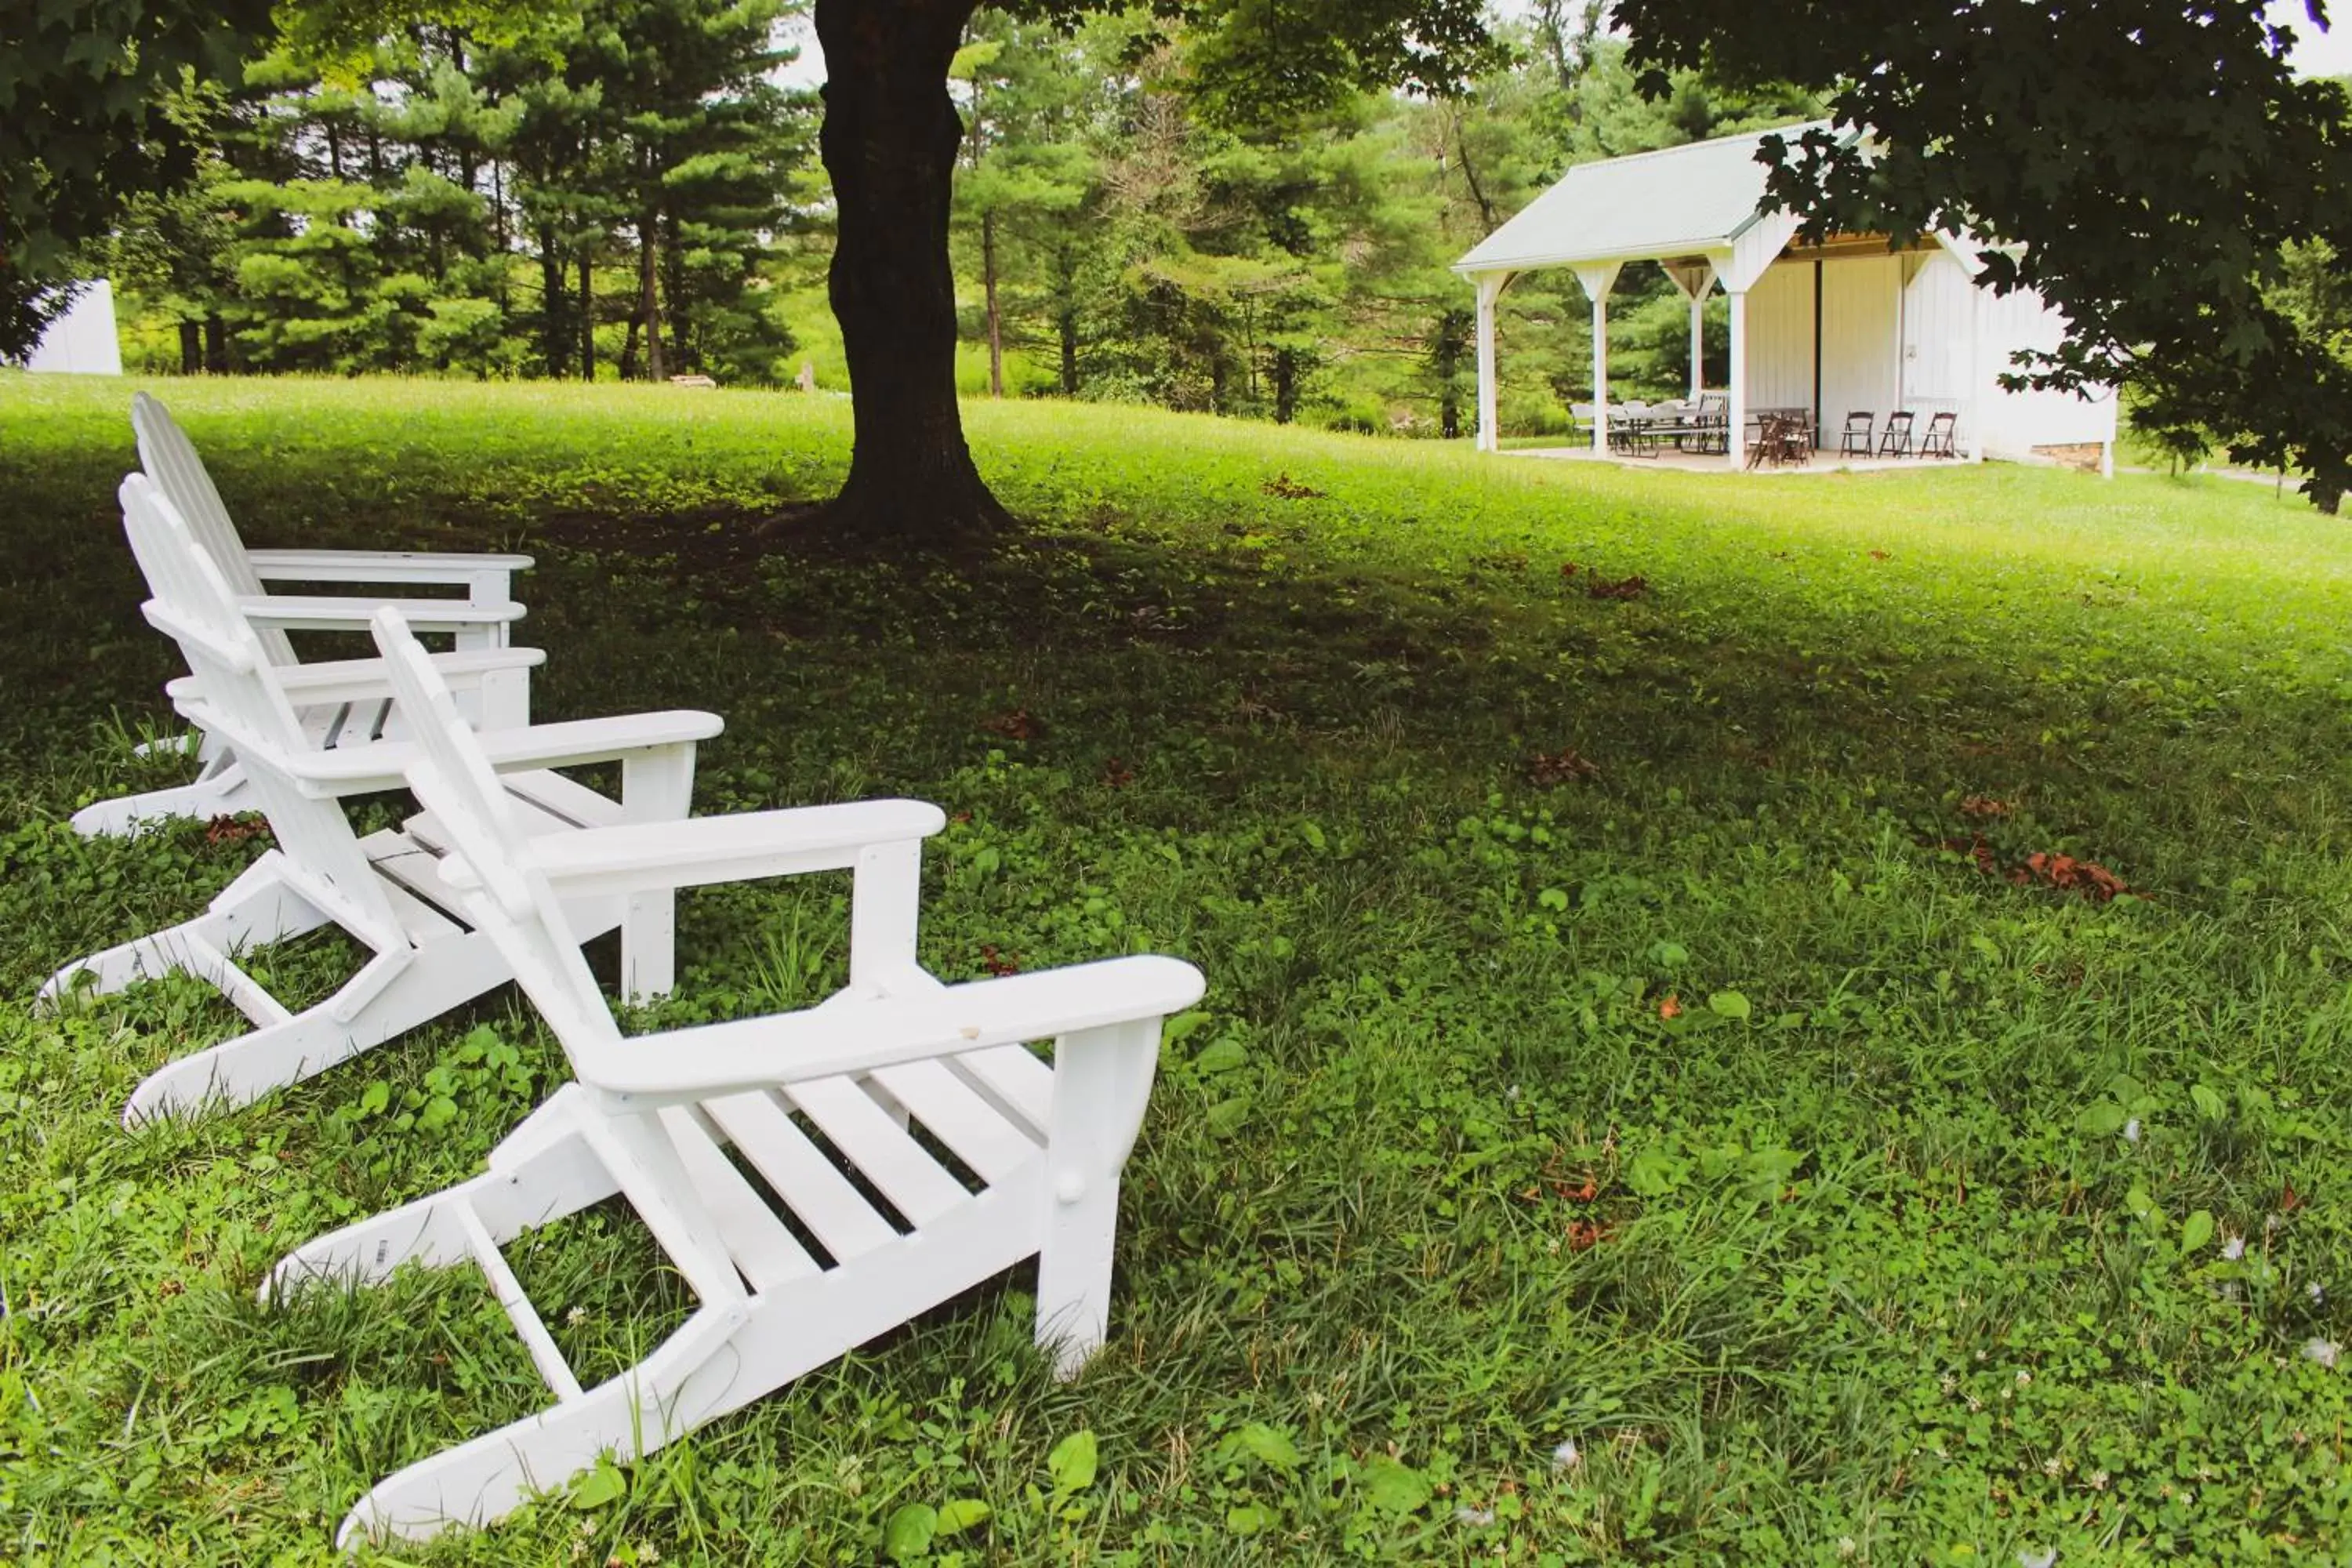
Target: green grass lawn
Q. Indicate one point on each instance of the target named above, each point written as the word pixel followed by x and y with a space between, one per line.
pixel 1636 1019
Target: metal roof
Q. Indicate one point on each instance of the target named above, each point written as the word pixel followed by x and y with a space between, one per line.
pixel 1678 201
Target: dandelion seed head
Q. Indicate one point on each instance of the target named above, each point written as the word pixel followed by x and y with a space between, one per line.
pixel 1567 1457
pixel 2131 1131
pixel 2234 1249
pixel 2317 1292
pixel 2323 1351
pixel 1475 1516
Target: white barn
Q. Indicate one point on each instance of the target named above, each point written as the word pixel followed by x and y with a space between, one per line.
pixel 1851 325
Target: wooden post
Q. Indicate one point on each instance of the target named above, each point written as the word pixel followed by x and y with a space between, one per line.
pixel 1738 410
pixel 1490 288
pixel 1598 281
pixel 1698 345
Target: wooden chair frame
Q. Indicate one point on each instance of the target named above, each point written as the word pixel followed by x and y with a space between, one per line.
pixel 478 623
pixel 802 1097
pixel 387 890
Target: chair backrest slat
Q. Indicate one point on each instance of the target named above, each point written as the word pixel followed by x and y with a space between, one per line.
pixel 514 903
pixel 239 687
pixel 170 460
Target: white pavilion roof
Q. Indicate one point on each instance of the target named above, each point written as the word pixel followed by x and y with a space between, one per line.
pixel 1678 201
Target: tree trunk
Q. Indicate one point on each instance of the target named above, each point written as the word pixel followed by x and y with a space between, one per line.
pixel 889 141
pixel 649 297
pixel 628 371
pixel 191 348
pixel 1065 321
pixel 995 321
pixel 555 332
pixel 587 315
pixel 216 345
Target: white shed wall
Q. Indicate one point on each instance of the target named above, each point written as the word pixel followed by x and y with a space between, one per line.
pixel 1780 338
pixel 1862 307
pixel 82 340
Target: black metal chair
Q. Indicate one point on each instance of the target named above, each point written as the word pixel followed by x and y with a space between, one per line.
pixel 1937 441
pixel 1896 441
pixel 1854 441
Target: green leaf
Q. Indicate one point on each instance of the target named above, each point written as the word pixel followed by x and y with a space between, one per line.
pixel 2195 1230
pixel 2208 1103
pixel 1226 1116
pixel 2101 1119
pixel 1072 1462
pixel 1727 1004
pixel 438 1112
pixel 1222 1056
pixel 909 1534
pixel 374 1097
pixel 1655 1172
pixel 960 1515
pixel 1553 899
pixel 1271 1446
pixel 1182 1026
pixel 1392 1487
pixel 1313 835
pixel 1247 1520
pixel 600 1486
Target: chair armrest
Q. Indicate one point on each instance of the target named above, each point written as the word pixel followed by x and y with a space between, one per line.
pixel 382 764
pixel 382 566
pixel 322 613
pixel 741 847
pixel 332 682
pixel 864 1035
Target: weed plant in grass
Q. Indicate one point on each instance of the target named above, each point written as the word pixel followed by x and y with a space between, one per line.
pixel 1678 1083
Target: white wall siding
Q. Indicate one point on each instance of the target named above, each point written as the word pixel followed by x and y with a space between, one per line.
pixel 2017 422
pixel 1780 336
pixel 1862 299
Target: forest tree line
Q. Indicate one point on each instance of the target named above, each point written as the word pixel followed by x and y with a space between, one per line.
pixel 630 191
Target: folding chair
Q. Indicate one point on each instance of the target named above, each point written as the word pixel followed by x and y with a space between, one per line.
pixel 1854 441
pixel 1014 1159
pixel 1937 441
pixel 1896 441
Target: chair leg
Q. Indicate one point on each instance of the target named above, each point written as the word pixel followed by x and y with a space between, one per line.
pixel 540 1172
pixel 657 786
pixel 1102 1078
pixel 489 1477
pixel 445 973
pixel 256 910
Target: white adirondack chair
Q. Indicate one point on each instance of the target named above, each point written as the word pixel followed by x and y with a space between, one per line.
pixel 385 891
pixel 478 623
pixel 802 1096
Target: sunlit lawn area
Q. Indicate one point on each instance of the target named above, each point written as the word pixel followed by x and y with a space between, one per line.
pixel 1672 1085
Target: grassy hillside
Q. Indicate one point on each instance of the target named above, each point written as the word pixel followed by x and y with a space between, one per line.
pixel 1651 1020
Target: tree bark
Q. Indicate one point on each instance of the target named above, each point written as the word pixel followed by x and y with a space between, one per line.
pixel 215 346
pixel 587 314
pixel 995 321
pixel 889 141
pixel 648 296
pixel 555 332
pixel 191 348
